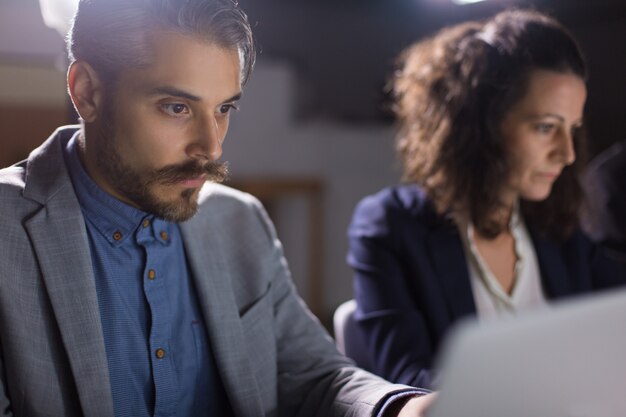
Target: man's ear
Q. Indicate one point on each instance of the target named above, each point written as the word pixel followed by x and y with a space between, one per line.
pixel 85 89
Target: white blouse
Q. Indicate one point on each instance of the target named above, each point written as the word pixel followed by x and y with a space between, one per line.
pixel 489 296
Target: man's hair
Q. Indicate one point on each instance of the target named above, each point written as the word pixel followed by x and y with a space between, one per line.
pixel 451 95
pixel 111 35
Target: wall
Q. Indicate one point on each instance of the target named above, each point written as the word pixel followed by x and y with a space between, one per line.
pixel 32 84
pixel 351 160
pixel 32 104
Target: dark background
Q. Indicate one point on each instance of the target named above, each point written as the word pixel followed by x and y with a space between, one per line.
pixel 313 114
pixel 344 50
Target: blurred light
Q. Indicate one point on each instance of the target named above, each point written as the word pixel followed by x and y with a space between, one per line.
pixel 461 2
pixel 58 14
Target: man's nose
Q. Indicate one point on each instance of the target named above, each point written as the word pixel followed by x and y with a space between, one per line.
pixel 208 143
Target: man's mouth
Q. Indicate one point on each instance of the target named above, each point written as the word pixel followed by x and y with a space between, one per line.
pixel 193 182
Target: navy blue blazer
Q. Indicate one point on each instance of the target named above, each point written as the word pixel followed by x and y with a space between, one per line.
pixel 411 280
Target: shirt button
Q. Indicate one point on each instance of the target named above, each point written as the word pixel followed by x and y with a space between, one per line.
pixel 146 223
pixel 159 353
pixel 164 235
pixel 151 274
pixel 117 235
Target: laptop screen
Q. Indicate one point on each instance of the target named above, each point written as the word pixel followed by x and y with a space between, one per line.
pixel 565 361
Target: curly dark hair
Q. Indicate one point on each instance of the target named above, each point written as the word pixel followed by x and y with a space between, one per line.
pixel 452 92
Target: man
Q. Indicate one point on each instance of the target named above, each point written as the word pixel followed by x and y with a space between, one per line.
pixel 128 286
pixel 604 182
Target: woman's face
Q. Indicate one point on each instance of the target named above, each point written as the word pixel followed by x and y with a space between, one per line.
pixel 538 133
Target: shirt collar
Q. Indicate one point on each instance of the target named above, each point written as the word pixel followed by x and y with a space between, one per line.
pixel 114 219
pixel 483 272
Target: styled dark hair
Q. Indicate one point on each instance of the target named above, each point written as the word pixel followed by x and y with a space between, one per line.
pixel 451 95
pixel 111 35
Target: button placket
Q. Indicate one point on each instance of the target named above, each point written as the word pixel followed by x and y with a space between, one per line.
pixel 160 331
pixel 159 353
pixel 153 287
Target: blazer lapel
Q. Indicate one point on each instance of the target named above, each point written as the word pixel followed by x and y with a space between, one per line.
pixel 59 239
pixel 213 286
pixel 554 273
pixel 446 252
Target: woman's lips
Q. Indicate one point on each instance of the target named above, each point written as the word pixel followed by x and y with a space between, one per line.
pixel 551 176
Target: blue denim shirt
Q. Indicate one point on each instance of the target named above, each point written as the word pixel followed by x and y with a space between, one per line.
pixel 159 357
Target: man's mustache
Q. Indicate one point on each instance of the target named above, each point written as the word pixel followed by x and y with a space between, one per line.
pixel 214 171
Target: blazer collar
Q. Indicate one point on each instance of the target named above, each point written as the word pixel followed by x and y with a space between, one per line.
pixel 554 273
pixel 210 271
pixel 446 252
pixel 46 172
pixel 62 249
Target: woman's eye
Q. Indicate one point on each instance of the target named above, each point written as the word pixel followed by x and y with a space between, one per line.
pixel 545 127
pixel 175 109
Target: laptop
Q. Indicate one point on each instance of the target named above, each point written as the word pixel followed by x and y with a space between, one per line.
pixel 568 360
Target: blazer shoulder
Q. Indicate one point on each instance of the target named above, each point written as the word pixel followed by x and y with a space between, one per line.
pixel 397 205
pixel 12 184
pixel 221 198
pixel 226 207
pixel 12 179
pixel 213 193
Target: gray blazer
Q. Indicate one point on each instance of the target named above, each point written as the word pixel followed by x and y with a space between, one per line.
pixel 274 357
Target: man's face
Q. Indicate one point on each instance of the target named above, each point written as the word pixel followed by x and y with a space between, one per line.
pixel 159 134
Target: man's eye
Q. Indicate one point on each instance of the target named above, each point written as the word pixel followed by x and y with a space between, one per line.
pixel 175 109
pixel 226 108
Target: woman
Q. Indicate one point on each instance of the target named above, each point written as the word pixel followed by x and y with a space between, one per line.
pixel 487 222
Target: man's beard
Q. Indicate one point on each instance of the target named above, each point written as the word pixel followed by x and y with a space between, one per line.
pixel 138 187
